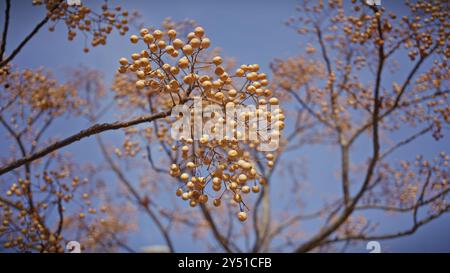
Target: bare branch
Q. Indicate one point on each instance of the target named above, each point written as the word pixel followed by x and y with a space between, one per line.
pixel 220 238
pixel 29 36
pixel 5 29
pixel 387 236
pixel 93 130
pixel 405 142
pixel 310 111
pixel 136 195
pixel 404 209
pixel 327 231
pixel 397 99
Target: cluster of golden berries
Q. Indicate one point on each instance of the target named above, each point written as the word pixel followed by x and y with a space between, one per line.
pixel 177 70
pixel 412 179
pixel 97 229
pixel 40 91
pixel 130 148
pixel 81 18
pixel 23 226
pixel 426 28
pixel 235 174
pixel 422 32
pixel 29 234
pixel 353 226
pixel 429 99
pixel 360 29
pixel 126 95
pixel 4 71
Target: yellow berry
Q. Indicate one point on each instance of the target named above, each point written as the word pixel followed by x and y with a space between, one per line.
pixel 205 43
pixel 157 34
pixel 242 178
pixel 216 202
pixel 199 32
pixel 242 216
pixel 219 70
pixel 172 33
pixel 140 84
pixel 232 153
pixel 162 44
pixel 123 61
pixel 188 50
pixel 190 185
pixel 217 60
pixel 240 72
pixel 216 181
pixel 177 43
pixel 195 43
pixel 273 101
pixel 134 39
pixel 184 176
pixel 185 196
pixel 203 199
pixel 190 165
pixel 143 32
pixel 237 197
pixel 179 192
pixel 148 38
pixel 183 62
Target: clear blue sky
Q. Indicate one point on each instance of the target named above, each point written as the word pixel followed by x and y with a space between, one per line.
pixel 250 31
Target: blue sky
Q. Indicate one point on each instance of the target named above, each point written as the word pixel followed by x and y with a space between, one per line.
pixel 251 32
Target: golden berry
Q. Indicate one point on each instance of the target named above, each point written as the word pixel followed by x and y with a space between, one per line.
pixel 242 216
pixel 134 39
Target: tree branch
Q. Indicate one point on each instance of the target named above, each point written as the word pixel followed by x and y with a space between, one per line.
pixel 220 238
pixel 93 130
pixel 5 29
pixel 136 195
pixel 327 231
pixel 403 233
pixel 397 99
pixel 405 142
pixel 29 36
